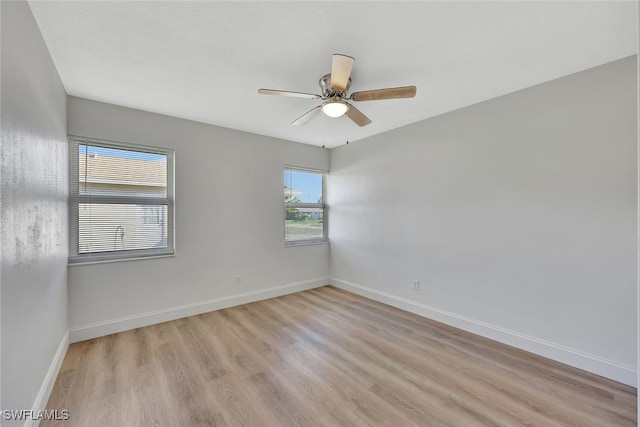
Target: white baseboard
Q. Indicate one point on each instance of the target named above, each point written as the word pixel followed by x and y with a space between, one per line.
pixel 579 359
pixel 99 329
pixel 49 380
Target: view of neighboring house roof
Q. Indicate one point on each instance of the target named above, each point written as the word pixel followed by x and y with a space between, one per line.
pixel 102 169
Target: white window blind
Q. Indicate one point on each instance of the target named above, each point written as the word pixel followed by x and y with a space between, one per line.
pixel 121 200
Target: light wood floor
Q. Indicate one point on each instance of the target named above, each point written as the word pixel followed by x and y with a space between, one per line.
pixel 324 357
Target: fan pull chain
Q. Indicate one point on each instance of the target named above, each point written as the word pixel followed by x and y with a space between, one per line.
pixel 324 130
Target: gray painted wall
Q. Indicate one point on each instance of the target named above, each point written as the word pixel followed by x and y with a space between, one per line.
pixel 33 218
pixel 517 215
pixel 229 222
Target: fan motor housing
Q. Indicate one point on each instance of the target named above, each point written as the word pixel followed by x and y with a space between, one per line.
pixel 327 92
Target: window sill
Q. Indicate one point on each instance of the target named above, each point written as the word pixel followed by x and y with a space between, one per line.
pixel 106 261
pixel 292 243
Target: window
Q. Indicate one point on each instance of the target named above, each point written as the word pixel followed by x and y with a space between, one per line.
pixel 120 201
pixel 305 218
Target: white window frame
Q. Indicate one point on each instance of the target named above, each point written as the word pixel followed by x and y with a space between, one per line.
pixel 75 199
pixel 323 206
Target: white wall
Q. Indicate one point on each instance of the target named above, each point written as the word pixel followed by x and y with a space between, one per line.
pixel 229 222
pixel 517 215
pixel 33 191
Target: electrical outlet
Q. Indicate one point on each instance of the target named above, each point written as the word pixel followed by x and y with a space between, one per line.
pixel 416 285
pixel 237 280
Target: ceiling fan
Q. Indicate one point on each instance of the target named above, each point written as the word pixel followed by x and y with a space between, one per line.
pixel 334 92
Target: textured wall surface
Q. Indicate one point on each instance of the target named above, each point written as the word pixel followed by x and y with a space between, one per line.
pixel 33 193
pixel 518 212
pixel 229 220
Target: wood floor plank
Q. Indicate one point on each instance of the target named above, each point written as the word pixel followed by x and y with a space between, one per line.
pixel 241 404
pixel 324 357
pixel 186 390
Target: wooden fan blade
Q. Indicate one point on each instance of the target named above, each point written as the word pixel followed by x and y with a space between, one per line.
pixel 288 93
pixel 389 93
pixel 356 115
pixel 306 116
pixel 340 71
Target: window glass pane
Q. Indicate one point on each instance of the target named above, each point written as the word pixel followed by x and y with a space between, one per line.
pixel 304 223
pixel 110 171
pixel 302 187
pixel 109 227
pixel 120 200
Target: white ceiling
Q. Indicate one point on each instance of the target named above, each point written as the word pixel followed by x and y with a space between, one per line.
pixel 204 61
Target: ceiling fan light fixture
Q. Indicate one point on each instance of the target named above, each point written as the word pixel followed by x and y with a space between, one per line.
pixel 334 92
pixel 335 108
